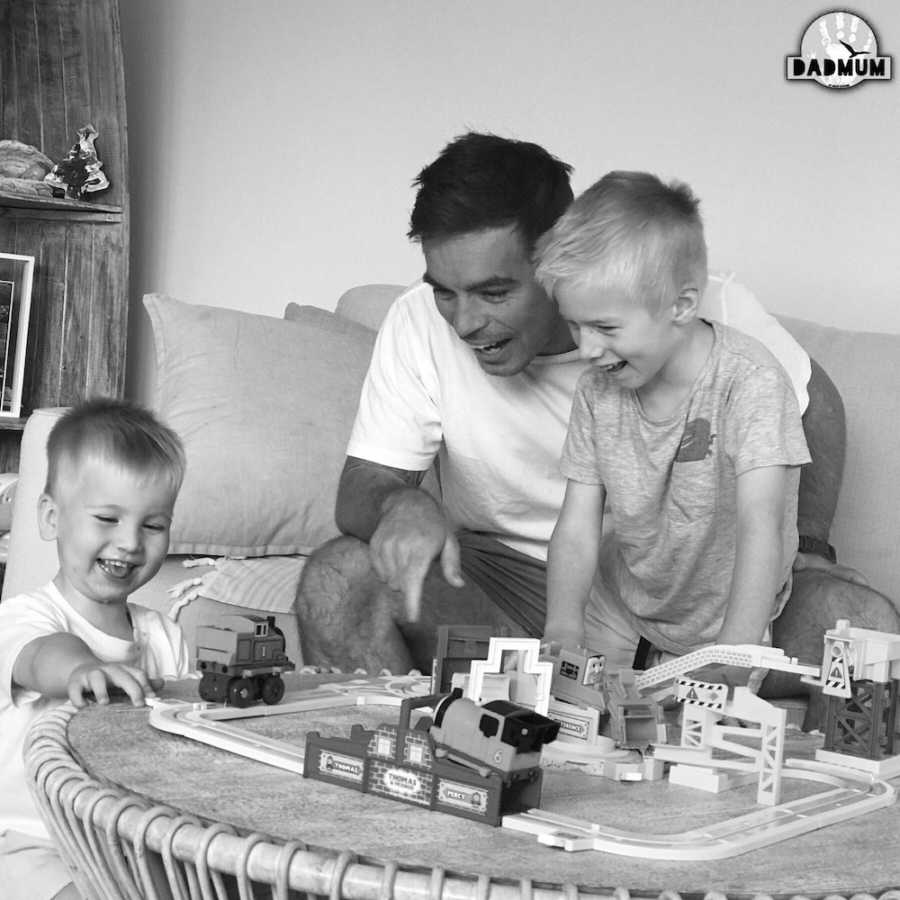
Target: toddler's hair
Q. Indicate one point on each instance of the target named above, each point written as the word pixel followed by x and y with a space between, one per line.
pixel 628 231
pixel 119 431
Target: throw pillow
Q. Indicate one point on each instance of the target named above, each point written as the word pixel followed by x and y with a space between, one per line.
pixel 264 407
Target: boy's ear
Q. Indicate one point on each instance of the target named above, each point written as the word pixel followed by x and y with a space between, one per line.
pixel 47 517
pixel 686 305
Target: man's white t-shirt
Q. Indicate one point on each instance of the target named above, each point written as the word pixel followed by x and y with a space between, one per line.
pixel 158 648
pixel 499 438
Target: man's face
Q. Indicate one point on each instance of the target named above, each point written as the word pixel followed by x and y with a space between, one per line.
pixel 484 287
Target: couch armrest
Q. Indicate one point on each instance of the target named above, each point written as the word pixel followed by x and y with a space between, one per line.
pixel 32 561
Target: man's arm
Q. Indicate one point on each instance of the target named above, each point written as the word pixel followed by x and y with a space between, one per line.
pixel 404 525
pixel 362 490
pixel 62 665
pixel 756 581
pixel 572 561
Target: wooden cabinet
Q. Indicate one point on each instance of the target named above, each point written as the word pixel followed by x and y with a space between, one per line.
pixel 60 69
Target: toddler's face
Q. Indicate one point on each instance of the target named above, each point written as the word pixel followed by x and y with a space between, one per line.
pixel 111 525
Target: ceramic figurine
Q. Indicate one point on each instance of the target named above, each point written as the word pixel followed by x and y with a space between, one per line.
pixel 80 172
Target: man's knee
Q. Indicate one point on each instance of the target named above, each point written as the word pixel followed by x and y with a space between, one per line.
pixel 819 598
pixel 344 556
pixel 346 613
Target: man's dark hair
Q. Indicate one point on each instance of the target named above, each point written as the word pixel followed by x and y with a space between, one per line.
pixel 483 181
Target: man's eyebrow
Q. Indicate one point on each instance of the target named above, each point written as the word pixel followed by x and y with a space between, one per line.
pixel 495 281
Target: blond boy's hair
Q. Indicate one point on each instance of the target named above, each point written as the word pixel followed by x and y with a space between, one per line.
pixel 118 431
pixel 628 231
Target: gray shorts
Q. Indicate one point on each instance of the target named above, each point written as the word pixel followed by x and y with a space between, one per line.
pixel 504 589
pixel 515 583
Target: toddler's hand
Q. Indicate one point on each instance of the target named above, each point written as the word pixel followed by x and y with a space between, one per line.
pixel 104 679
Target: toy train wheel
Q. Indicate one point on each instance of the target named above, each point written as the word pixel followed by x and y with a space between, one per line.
pixel 208 690
pixel 241 692
pixel 272 690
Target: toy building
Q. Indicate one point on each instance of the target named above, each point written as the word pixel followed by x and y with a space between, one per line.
pixel 478 762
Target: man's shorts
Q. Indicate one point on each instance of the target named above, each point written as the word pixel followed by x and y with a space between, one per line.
pixel 515 583
pixel 30 868
pixel 504 590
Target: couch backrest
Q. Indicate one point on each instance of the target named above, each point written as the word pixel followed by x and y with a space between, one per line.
pixel 866 369
pixel 864 366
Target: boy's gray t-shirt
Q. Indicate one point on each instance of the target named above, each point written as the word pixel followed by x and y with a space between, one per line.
pixel 668 557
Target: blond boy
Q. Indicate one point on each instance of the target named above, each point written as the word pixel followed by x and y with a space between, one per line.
pixel 684 444
pixel 113 475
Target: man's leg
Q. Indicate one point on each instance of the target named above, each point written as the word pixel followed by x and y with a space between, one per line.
pixel 822 592
pixel 818 599
pixel 825 428
pixel 346 612
pixel 350 619
pixel 504 589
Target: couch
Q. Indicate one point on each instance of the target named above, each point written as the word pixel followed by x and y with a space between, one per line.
pixel 265 406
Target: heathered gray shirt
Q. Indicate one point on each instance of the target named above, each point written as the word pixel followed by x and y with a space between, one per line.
pixel 671 486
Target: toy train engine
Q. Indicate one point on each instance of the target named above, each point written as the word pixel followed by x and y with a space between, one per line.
pixel 242 661
pixel 499 736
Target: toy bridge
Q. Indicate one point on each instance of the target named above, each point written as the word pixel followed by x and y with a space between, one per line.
pixel 747 656
pixel 756 750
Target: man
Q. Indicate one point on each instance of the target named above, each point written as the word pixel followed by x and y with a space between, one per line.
pixel 476 369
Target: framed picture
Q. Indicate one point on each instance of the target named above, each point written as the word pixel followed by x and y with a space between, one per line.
pixel 16 274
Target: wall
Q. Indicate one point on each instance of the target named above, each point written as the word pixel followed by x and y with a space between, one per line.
pixel 273 142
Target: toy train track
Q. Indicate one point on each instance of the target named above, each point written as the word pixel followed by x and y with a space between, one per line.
pixel 207 723
pixel 850 796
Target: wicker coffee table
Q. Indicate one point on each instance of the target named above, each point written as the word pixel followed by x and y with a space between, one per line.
pixel 144 813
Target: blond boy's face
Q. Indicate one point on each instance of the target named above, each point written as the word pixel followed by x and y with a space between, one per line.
pixel 632 343
pixel 111 526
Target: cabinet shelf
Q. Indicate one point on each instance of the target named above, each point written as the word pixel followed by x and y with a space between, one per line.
pixel 62 65
pixel 9 200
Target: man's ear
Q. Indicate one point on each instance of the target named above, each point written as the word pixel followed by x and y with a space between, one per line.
pixel 686 304
pixel 47 517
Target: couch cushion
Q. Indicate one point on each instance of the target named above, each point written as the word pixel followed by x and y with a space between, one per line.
pixel 865 366
pixel 264 407
pixel 365 303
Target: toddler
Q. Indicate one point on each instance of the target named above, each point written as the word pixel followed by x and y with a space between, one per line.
pixel 113 475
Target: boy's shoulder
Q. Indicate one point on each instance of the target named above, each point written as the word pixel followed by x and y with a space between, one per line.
pixel 24 618
pixel 37 603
